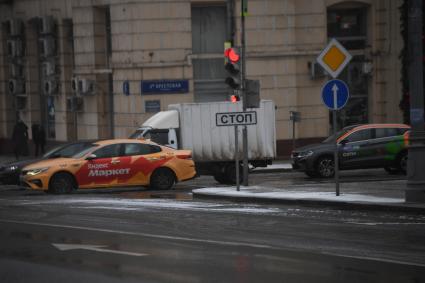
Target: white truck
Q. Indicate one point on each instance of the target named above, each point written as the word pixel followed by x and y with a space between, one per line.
pixel 193 126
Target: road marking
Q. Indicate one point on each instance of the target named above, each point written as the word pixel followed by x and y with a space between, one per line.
pixel 374 259
pixel 226 243
pixel 95 248
pixel 385 223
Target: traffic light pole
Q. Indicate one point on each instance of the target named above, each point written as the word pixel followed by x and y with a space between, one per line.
pixel 415 191
pixel 244 95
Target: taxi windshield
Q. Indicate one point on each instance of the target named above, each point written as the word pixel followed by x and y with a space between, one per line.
pixel 341 132
pixel 51 152
pixel 68 150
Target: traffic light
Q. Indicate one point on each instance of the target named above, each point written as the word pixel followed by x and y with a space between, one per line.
pixel 252 93
pixel 232 67
pixel 235 98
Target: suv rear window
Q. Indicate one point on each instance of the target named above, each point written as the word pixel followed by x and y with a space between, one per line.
pixel 389 132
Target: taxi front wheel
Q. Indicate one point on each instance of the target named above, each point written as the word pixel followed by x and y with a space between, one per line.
pixel 162 179
pixel 61 183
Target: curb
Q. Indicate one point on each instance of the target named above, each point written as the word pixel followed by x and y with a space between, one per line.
pixel 410 208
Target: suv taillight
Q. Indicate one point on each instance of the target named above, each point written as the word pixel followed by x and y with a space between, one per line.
pixel 406 138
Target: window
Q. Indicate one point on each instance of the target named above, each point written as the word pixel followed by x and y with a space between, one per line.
pixel 361 135
pixel 158 136
pixel 72 149
pixel 386 132
pixel 140 149
pixel 209 29
pixel 348 26
pixel 348 23
pixel 112 150
pixel 401 131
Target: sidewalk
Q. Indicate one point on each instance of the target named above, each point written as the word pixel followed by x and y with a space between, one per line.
pixel 382 195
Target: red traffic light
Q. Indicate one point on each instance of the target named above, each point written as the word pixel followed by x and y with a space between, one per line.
pixel 232 55
pixel 234 98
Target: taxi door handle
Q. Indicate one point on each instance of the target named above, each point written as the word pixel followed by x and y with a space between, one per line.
pixel 115 161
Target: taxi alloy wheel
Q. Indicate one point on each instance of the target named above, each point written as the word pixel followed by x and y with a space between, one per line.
pixel 162 179
pixel 61 183
pixel 325 167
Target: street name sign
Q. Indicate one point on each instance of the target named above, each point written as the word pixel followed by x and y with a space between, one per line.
pixel 335 94
pixel 236 118
pixel 334 58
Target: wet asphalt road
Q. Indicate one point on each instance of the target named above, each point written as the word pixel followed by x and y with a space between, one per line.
pixel 148 236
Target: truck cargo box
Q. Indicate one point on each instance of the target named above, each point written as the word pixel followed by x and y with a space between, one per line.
pixel 209 142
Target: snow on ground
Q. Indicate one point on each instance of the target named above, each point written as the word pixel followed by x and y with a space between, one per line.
pixel 149 204
pixel 259 192
pixel 276 165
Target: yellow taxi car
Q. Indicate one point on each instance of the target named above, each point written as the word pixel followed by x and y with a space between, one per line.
pixel 111 163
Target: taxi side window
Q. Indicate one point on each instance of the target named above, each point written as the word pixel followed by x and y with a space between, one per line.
pixel 387 132
pixel 112 150
pixel 361 135
pixel 140 149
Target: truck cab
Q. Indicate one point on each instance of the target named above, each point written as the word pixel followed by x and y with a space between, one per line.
pixel 161 128
pixel 166 137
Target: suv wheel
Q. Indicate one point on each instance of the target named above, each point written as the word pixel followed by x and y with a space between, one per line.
pixel 402 162
pixel 325 167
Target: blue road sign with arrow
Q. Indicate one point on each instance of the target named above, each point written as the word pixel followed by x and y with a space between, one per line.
pixel 335 94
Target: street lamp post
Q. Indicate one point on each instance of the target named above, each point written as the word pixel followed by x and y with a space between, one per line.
pixel 415 190
pixel 244 8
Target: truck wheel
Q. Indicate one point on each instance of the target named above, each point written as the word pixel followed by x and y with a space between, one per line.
pixel 221 178
pixel 325 167
pixel 61 183
pixel 231 174
pixel 162 179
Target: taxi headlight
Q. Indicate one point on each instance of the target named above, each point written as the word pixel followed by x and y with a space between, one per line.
pixel 37 171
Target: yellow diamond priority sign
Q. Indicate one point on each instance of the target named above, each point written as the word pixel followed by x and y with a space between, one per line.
pixel 334 58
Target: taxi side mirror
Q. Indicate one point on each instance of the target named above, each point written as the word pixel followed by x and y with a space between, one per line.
pixel 91 157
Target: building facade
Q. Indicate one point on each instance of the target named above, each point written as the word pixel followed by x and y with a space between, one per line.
pixel 98 69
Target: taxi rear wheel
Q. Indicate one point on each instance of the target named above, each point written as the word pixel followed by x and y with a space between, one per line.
pixel 162 179
pixel 61 183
